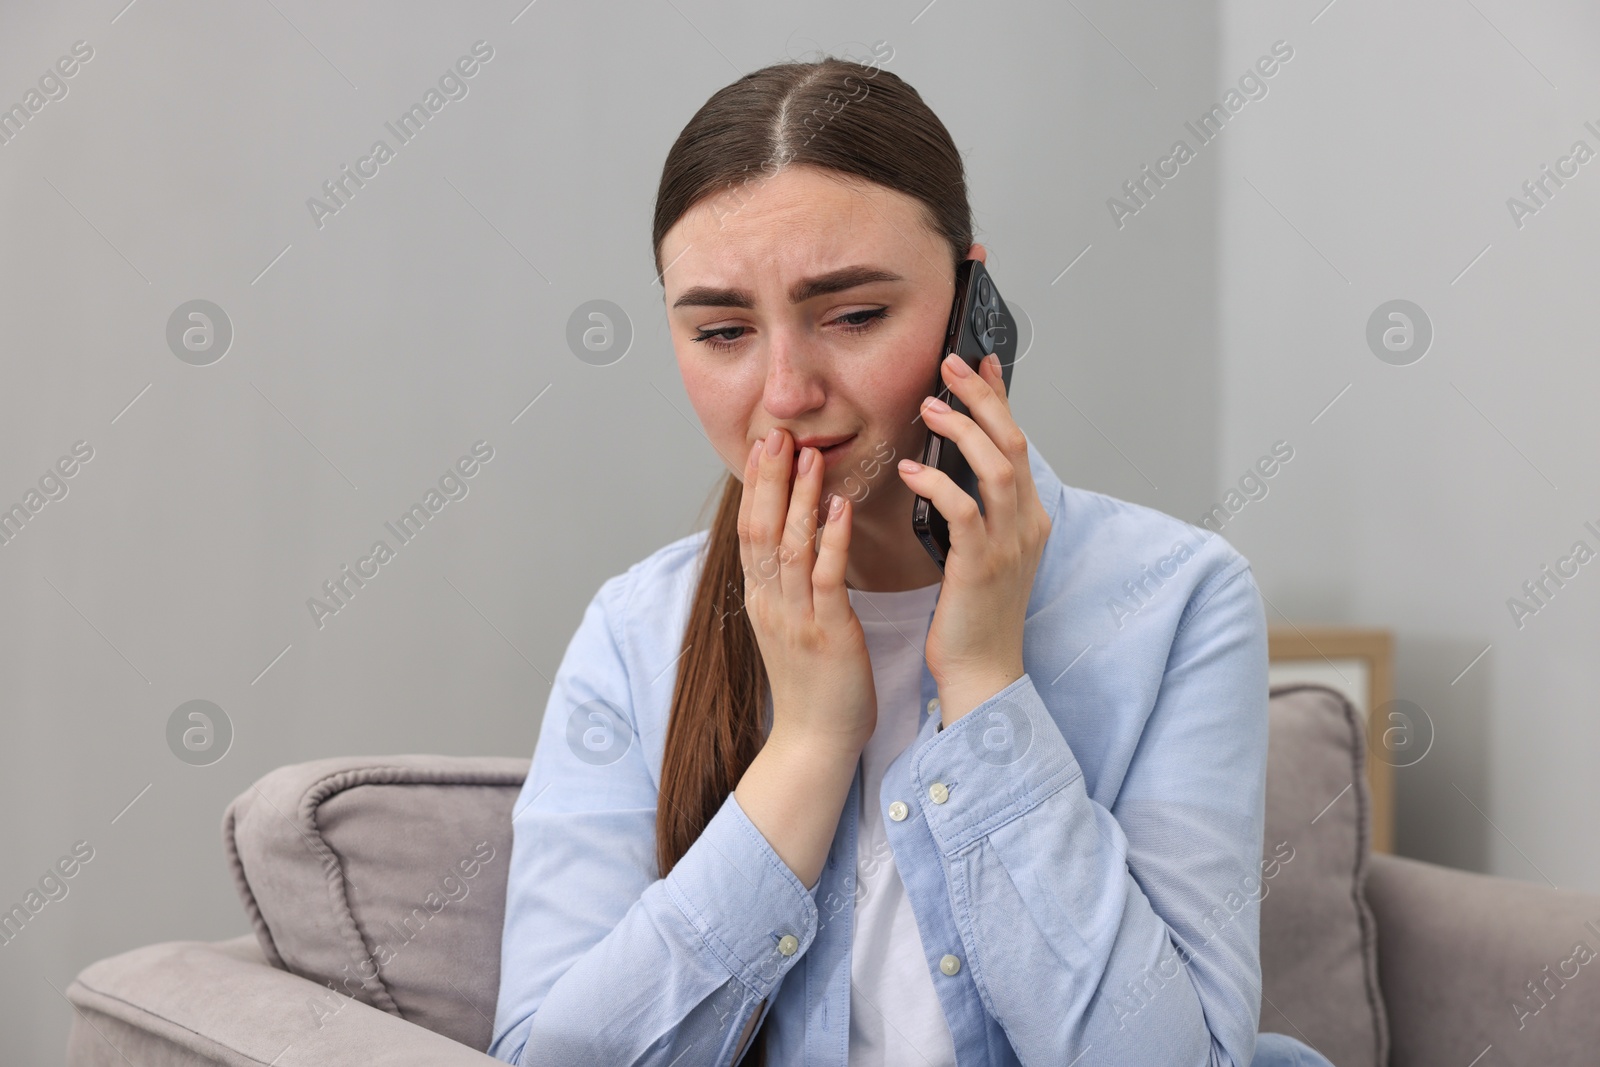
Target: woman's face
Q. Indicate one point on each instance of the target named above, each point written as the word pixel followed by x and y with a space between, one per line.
pixel 816 305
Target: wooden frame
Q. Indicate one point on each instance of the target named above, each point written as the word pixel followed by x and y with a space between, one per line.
pixel 1360 664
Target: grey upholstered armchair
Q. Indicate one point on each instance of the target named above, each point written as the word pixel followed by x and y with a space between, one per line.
pixel 376 886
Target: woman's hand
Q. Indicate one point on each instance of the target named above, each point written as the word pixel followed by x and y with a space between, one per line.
pixel 974 646
pixel 811 641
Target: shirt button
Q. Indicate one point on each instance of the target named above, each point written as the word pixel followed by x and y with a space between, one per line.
pixel 950 964
pixel 938 793
pixel 898 811
pixel 933 705
pixel 788 943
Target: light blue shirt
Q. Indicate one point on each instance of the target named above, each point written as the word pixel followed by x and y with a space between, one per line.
pixel 1082 851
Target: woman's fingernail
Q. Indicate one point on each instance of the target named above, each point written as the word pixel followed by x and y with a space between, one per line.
pixel 910 466
pixel 835 506
pixel 958 365
pixel 755 453
pixel 933 403
pixel 993 361
pixel 774 441
pixel 806 455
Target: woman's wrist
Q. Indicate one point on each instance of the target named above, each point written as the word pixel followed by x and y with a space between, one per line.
pixel 813 750
pixel 793 793
pixel 958 698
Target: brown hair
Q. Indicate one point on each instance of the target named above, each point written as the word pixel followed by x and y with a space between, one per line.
pixel 856 120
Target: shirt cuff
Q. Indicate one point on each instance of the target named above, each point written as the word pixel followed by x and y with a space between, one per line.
pixel 743 900
pixel 996 762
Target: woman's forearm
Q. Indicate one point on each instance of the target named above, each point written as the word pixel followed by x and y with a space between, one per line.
pixel 793 792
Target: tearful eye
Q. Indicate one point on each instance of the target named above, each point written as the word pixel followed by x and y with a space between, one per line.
pixel 719 338
pixel 873 317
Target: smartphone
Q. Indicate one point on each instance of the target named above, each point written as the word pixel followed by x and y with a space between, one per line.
pixel 979 324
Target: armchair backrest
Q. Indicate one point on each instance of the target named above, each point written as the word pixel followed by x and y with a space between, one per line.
pixel 383 878
pixel 1319 964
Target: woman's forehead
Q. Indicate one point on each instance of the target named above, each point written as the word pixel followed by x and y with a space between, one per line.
pixel 781 237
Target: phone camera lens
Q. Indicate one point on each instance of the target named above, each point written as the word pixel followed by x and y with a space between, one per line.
pixel 980 325
pixel 985 291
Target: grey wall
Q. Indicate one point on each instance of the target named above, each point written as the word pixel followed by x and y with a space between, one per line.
pixel 1380 168
pixel 430 312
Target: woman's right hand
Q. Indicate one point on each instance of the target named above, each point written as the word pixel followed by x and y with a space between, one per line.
pixel 811 641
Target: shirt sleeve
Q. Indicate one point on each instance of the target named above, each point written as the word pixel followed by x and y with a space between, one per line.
pixel 601 961
pixel 1139 924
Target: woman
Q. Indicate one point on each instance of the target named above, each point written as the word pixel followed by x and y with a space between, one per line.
pixel 800 797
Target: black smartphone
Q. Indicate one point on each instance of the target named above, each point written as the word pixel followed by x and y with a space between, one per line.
pixel 980 323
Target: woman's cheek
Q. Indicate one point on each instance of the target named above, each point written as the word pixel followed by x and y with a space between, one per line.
pixel 726 432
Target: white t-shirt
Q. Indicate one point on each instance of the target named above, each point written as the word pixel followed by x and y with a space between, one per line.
pixel 895 1016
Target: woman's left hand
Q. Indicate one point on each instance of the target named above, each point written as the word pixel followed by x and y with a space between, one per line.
pixel 974 646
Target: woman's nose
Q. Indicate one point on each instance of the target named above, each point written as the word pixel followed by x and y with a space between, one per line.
pixel 794 382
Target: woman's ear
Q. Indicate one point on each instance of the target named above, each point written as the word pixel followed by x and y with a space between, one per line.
pixel 977 252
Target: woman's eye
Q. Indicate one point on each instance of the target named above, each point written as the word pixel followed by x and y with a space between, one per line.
pixel 853 323
pixel 718 338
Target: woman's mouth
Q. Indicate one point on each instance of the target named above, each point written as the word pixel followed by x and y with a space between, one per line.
pixel 830 456
pixel 835 453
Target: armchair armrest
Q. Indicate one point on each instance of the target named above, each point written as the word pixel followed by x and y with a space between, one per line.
pixel 200 1003
pixel 1470 960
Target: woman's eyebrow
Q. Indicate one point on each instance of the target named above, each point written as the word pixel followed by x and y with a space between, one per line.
pixel 803 290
